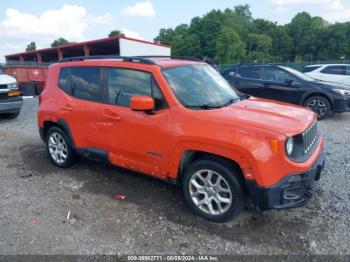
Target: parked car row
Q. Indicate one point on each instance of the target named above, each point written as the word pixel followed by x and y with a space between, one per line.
pixel 180 121
pixel 288 85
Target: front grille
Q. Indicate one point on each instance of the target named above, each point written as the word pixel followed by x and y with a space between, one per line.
pixel 310 137
pixel 3 96
pixel 3 87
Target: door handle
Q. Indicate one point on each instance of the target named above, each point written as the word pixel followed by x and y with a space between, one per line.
pixel 67 108
pixel 112 116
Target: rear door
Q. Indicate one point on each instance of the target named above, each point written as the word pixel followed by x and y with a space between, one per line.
pixel 335 73
pixel 81 105
pixel 248 80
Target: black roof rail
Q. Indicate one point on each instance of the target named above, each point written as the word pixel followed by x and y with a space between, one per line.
pixel 259 64
pixel 134 59
pixel 173 57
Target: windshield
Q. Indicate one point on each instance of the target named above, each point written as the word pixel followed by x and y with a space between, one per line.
pixel 200 86
pixel 298 74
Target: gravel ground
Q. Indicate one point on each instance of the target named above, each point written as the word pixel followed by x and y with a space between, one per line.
pixel 35 198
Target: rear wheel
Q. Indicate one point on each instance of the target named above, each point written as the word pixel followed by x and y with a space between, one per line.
pixel 212 190
pixel 59 148
pixel 319 105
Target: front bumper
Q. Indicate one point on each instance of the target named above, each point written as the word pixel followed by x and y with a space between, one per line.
pixel 11 105
pixel 341 105
pixel 293 191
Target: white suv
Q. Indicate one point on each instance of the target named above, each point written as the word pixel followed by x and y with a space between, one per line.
pixel 339 73
pixel 10 96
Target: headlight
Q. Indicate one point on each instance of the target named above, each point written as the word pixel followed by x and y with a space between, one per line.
pixel 290 146
pixel 12 86
pixel 342 91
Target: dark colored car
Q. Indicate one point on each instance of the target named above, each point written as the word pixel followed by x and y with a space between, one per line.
pixel 288 85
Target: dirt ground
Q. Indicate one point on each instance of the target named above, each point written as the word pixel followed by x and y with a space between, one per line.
pixel 36 197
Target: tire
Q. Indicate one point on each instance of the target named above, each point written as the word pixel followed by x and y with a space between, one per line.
pixel 320 105
pixel 12 115
pixel 231 189
pixel 59 148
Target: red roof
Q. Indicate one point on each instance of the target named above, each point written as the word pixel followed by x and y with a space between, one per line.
pixel 87 42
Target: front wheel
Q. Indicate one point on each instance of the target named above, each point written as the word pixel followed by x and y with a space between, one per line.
pixel 212 190
pixel 319 105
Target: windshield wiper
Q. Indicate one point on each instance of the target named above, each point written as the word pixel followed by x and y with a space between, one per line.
pixel 205 106
pixel 208 107
pixel 230 102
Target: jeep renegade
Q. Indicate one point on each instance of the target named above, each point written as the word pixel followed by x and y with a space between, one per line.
pixel 180 121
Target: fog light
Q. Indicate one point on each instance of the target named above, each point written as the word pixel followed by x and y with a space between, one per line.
pixel 295 178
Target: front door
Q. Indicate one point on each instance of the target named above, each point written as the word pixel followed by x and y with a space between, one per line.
pixel 282 86
pixel 136 140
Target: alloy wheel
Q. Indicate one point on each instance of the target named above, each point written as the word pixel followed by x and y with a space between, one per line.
pixel 210 192
pixel 318 106
pixel 58 148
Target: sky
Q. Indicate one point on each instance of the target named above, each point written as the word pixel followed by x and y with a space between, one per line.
pixel 42 21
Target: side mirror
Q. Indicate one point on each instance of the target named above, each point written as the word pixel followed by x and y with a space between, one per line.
pixel 142 103
pixel 289 82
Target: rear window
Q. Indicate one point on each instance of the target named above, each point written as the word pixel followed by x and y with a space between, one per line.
pixel 309 69
pixel 85 83
pixel 334 70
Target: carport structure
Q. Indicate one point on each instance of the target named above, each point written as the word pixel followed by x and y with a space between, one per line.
pixel 123 46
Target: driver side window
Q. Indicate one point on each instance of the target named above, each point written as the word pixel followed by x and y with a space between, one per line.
pixel 122 84
pixel 276 74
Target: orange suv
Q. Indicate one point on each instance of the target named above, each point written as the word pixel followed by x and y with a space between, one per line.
pixel 180 121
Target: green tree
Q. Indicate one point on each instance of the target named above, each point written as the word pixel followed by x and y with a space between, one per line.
pixel 116 33
pixel 259 47
pixel 304 38
pixel 229 47
pixel 306 32
pixel 207 28
pixel 165 36
pixel 31 47
pixel 60 41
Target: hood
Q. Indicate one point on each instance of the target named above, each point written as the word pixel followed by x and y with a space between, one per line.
pixel 281 118
pixel 6 79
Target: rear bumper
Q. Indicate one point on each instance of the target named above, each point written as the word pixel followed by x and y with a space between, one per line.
pixel 341 105
pixel 11 105
pixel 293 191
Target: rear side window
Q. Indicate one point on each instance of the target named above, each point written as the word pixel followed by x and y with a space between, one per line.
pixel 252 72
pixel 63 80
pixel 309 69
pixel 334 70
pixel 85 83
pixel 122 84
